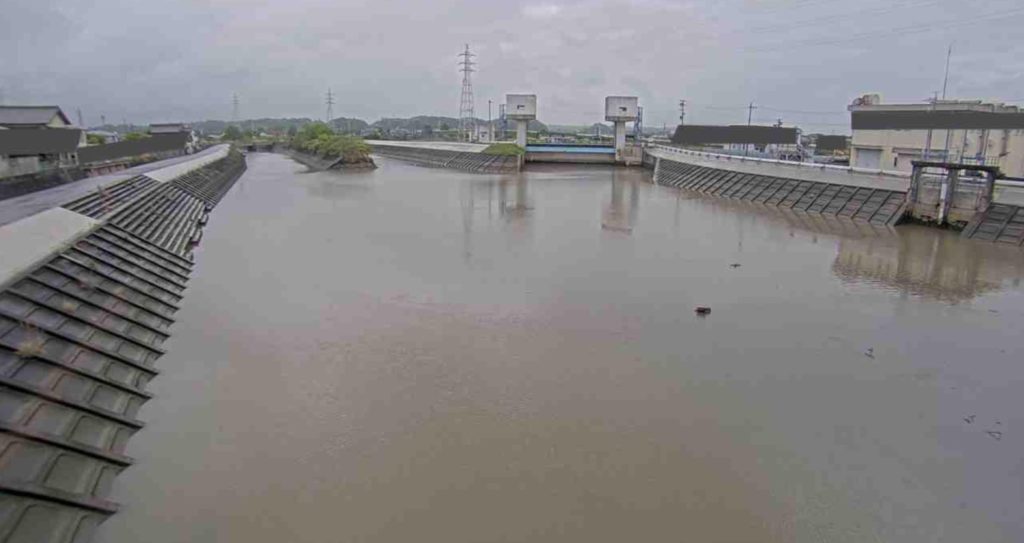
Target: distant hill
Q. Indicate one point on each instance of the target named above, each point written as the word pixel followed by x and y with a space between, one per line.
pixel 414 125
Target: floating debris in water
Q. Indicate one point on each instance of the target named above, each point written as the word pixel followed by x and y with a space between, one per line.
pixel 970 419
pixel 870 353
pixel 702 310
pixel 996 435
pixel 735 265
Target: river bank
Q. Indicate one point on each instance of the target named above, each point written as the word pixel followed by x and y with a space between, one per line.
pixel 334 163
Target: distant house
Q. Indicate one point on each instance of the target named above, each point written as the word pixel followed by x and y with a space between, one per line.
pixel 157 129
pixel 33 150
pixel 34 117
pixel 777 141
pixel 108 136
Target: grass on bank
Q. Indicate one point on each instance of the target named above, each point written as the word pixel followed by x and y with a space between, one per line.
pixel 504 149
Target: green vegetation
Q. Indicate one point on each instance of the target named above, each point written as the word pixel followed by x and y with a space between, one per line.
pixel 95 139
pixel 132 136
pixel 318 139
pixel 504 149
pixel 232 133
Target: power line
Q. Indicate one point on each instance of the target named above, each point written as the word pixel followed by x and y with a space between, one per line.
pixel 803 112
pixel 903 31
pixel 845 17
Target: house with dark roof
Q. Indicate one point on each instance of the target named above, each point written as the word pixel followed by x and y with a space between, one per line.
pixel 33 150
pixel 13 117
pixel 775 141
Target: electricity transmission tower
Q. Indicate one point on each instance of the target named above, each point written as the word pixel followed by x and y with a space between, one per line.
pixel 234 108
pixel 330 108
pixel 466 99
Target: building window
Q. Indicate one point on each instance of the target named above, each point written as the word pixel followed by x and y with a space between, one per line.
pixel 896 161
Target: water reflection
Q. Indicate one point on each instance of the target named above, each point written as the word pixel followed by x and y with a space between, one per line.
pixel 923 262
pixel 617 216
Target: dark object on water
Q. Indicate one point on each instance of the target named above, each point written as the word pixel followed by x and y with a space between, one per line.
pixel 702 310
pixel 870 353
pixel 735 265
pixel 969 419
pixel 998 436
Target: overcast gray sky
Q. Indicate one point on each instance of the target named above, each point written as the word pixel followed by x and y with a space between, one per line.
pixel 801 60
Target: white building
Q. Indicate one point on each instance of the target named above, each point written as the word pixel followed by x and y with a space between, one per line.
pixel 892 136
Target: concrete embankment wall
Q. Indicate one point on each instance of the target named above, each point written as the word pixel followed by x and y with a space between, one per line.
pixel 12 187
pixel 874 198
pixel 88 293
pixel 458 160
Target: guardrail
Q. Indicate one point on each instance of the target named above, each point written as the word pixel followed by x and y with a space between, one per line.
pixel 805 165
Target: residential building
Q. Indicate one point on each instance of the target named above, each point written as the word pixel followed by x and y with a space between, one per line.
pixel 159 129
pixel 33 117
pixel 892 136
pixel 30 151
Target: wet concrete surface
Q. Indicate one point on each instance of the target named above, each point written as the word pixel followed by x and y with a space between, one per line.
pixel 416 354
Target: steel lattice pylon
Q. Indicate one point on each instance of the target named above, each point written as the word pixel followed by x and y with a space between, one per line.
pixel 466 116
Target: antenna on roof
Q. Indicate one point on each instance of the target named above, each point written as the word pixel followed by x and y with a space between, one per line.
pixel 945 78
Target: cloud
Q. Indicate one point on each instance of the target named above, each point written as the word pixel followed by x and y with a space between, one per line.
pixel 541 11
pixel 152 61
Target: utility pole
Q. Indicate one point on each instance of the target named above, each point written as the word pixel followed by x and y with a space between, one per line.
pixel 945 78
pixel 945 81
pixel 103 120
pixel 466 97
pixel 234 108
pixel 490 124
pixel 682 112
pixel 928 139
pixel 750 117
pixel 330 109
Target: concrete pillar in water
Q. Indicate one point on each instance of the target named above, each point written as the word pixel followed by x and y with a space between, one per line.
pixel 620 137
pixel 521 133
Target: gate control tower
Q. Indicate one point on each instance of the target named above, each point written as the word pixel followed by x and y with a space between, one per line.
pixel 521 108
pixel 620 110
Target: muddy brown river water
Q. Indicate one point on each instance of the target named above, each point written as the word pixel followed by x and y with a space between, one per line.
pixel 425 355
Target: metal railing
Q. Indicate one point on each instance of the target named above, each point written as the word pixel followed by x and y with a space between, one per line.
pixel 807 166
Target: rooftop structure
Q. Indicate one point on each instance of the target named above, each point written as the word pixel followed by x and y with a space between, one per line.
pixel 891 136
pixel 33 117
